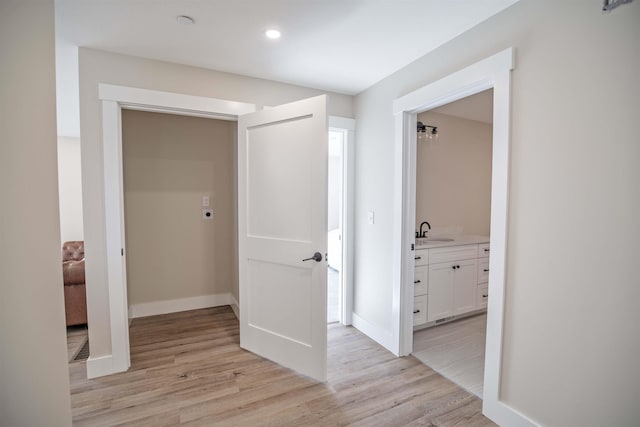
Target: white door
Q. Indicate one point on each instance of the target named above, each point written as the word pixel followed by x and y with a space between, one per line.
pixel 282 220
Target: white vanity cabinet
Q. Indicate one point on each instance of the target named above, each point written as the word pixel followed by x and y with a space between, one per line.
pixel 452 281
pixel 449 281
pixel 420 286
pixel 482 295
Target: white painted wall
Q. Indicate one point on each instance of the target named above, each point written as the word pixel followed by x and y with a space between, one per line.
pixel 571 340
pixel 453 177
pixel 70 188
pixel 103 67
pixel 170 162
pixel 33 353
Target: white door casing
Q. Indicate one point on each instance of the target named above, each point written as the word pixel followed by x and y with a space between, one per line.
pixel 492 72
pixel 114 98
pixel 282 219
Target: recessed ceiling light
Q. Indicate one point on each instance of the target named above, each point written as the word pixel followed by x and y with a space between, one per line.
pixel 272 34
pixel 185 20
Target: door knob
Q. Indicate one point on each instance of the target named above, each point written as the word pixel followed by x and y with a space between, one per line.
pixel 317 257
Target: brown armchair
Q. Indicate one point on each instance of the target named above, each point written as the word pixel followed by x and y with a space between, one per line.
pixel 75 300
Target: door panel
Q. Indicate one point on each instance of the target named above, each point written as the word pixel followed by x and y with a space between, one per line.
pixel 280 177
pixel 465 284
pixel 282 219
pixel 277 279
pixel 440 301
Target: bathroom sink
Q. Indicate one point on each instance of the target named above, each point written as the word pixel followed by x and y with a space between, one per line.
pixel 427 240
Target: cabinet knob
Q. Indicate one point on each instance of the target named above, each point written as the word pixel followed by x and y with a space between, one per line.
pixel 484 295
pixel 486 270
pixel 416 311
pixel 486 250
pixel 453 267
pixel 416 281
pixel 418 257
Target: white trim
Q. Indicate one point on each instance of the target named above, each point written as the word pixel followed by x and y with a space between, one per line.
pixel 114 98
pixel 493 72
pixel 235 307
pixel 379 335
pixel 182 304
pixel 174 103
pixel 347 127
pixel 99 366
pixel 114 224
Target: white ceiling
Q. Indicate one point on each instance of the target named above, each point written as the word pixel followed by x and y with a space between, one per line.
pixel 335 45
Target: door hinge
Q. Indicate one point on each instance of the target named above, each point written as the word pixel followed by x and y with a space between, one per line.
pixel 412 245
pixel 121 251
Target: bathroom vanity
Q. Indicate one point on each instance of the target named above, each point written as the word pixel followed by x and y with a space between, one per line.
pixel 451 278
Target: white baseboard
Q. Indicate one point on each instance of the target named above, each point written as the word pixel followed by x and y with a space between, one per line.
pixel 379 335
pixel 99 366
pixel 504 415
pixel 235 307
pixel 182 304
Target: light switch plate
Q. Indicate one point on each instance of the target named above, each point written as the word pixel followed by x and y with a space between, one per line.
pixel 371 217
pixel 205 200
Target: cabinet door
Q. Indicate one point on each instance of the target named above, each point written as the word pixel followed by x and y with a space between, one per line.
pixel 440 301
pixel 420 280
pixel 483 270
pixel 464 286
pixel 421 257
pixel 482 296
pixel 420 310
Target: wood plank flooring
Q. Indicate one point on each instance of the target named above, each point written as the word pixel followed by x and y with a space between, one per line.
pixel 456 350
pixel 188 369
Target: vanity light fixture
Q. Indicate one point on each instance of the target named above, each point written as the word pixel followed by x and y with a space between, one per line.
pixel 427 133
pixel 272 34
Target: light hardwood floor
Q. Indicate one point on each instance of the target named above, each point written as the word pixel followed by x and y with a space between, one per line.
pixel 456 350
pixel 187 368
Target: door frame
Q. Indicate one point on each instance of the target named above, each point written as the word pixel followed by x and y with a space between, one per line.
pixel 347 127
pixel 114 98
pixel 492 72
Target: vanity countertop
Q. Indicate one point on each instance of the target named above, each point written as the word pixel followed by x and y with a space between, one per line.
pixel 449 240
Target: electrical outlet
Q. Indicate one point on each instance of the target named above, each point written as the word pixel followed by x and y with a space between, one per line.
pixel 371 217
pixel 205 201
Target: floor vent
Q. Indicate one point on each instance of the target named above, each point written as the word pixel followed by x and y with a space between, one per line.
pixel 83 354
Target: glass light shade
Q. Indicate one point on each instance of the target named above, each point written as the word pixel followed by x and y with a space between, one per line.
pixel 433 136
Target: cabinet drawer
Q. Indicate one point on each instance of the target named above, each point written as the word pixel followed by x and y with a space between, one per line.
pixel 452 253
pixel 483 250
pixel 419 310
pixel 420 280
pixel 482 296
pixel 421 257
pixel 483 270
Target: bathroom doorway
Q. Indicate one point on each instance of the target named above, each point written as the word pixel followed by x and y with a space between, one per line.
pixel 453 215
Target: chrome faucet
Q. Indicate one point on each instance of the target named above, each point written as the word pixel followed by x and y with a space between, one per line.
pixel 424 233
